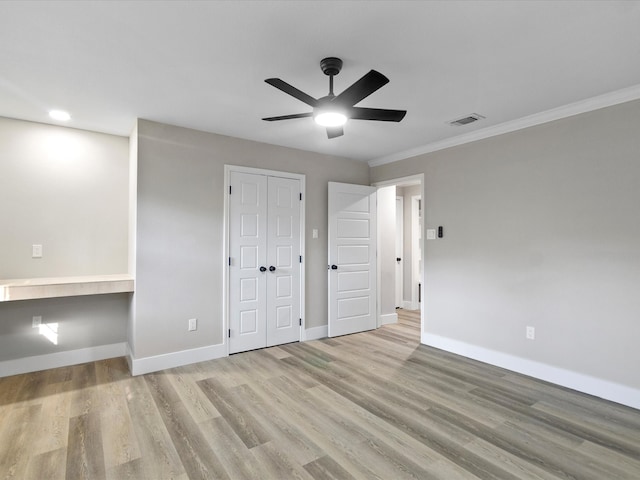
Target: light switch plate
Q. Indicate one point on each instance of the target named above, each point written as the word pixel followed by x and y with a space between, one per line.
pixel 36 251
pixel 193 324
pixel 431 233
pixel 314 233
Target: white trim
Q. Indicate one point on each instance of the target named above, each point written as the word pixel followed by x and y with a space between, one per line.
pixel 225 271
pixel 388 319
pixel 140 366
pixel 416 248
pixel 399 297
pixel 577 381
pixel 601 101
pixel 401 182
pixel 315 333
pixel 409 305
pixel 61 359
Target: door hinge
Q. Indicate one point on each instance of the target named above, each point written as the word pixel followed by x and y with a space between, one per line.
pixel 300 195
pixel 300 322
pixel 229 261
pixel 229 333
pixel 229 189
pixel 300 258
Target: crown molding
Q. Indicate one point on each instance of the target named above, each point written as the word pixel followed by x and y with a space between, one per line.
pixel 594 103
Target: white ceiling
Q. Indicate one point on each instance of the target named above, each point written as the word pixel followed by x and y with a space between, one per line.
pixel 202 64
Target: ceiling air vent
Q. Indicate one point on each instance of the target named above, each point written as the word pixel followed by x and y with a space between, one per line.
pixel 474 117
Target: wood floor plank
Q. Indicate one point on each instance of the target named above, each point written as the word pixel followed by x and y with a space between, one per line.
pixel 53 425
pixel 50 465
pixel 319 427
pixel 198 459
pixel 237 459
pixel 16 437
pixel 235 413
pixel 326 468
pixel 85 455
pixel 160 458
pixel 85 397
pixel 192 397
pixel 119 441
pixel 377 427
pixel 278 428
pixel 276 463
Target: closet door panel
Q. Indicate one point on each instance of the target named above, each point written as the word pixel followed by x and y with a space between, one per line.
pixel 283 254
pixel 248 252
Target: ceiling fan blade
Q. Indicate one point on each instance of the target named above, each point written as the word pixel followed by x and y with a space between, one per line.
pixel 364 87
pixel 333 132
pixel 379 114
pixel 293 91
pixel 288 117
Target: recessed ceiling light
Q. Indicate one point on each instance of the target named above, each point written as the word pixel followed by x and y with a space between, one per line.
pixel 60 115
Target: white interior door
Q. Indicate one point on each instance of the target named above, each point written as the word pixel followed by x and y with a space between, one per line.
pixel 283 257
pixel 247 254
pixel 352 258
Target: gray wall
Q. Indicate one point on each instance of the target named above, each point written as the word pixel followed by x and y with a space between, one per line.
pixel 64 189
pixel 180 217
pixel 541 228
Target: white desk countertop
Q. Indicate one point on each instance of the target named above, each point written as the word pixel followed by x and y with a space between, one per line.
pixel 33 288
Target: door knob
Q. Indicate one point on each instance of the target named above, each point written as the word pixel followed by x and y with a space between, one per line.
pixel 263 269
pixel 272 268
pixel 398 259
pixel 334 267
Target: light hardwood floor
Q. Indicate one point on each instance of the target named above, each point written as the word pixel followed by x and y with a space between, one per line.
pixel 369 405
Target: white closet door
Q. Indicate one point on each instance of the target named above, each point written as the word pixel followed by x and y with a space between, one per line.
pixel 283 257
pixel 352 258
pixel 248 252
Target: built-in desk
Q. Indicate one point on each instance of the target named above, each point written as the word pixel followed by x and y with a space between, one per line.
pixel 34 288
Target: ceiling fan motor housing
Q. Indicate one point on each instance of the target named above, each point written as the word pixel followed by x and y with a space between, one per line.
pixel 331 65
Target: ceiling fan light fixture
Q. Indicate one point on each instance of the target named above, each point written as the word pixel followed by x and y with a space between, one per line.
pixel 332 111
pixel 329 118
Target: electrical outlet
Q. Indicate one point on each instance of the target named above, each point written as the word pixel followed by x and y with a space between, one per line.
pixel 531 333
pixel 36 321
pixel 36 251
pixel 193 324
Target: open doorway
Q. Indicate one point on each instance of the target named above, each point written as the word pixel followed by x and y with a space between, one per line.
pixel 404 274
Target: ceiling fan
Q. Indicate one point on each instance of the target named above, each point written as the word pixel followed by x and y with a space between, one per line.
pixel 333 111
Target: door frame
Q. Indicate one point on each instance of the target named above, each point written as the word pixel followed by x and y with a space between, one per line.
pixel 416 248
pixel 399 181
pixel 225 253
pixel 400 243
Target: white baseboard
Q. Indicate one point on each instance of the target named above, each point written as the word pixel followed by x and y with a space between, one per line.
pixel 140 366
pixel 409 305
pixel 61 359
pixel 315 333
pixel 387 319
pixel 577 381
